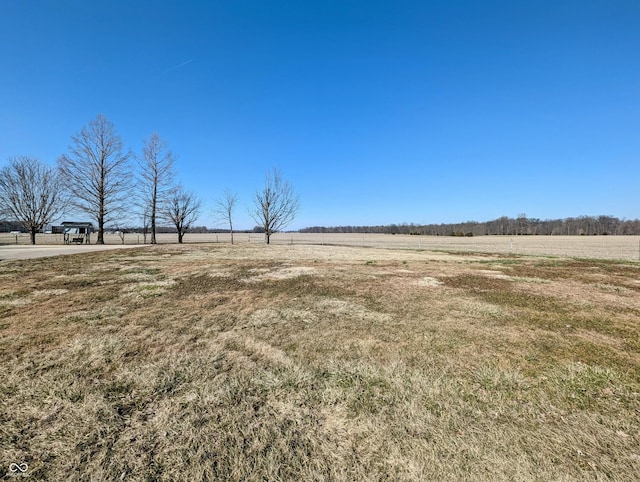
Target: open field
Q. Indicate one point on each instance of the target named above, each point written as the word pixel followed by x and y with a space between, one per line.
pixel 597 247
pixel 299 362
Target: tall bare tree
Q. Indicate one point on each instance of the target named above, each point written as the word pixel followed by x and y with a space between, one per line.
pixel 97 172
pixel 275 205
pixel 182 209
pixel 156 173
pixel 30 193
pixel 223 208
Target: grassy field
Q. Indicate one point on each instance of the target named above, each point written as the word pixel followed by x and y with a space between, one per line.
pixel 599 247
pixel 293 362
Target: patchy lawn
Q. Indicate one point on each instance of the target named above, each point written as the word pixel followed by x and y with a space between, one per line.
pixel 218 362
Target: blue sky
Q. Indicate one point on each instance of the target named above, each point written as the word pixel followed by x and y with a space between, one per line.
pixel 376 111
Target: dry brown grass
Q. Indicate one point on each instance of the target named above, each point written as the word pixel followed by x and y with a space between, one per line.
pixel 625 248
pixel 217 362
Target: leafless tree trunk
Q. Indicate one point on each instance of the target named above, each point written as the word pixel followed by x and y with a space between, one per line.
pixel 224 206
pixel 182 209
pixel 145 226
pixel 275 206
pixel 96 171
pixel 121 233
pixel 30 193
pixel 156 172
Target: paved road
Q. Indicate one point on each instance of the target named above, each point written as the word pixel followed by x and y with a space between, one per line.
pixel 11 252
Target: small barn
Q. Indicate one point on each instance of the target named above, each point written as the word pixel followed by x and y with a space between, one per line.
pixel 75 232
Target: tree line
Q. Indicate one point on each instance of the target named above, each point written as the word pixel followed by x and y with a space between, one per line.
pixel 520 225
pixel 116 188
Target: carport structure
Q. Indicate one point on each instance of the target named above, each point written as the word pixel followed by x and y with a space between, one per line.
pixel 75 232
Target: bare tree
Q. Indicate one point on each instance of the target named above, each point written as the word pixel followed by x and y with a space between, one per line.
pixel 156 173
pixel 182 209
pixel 30 193
pixel 118 229
pixel 275 205
pixel 223 208
pixel 522 224
pixel 97 172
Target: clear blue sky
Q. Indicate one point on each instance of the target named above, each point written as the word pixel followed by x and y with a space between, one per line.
pixel 376 111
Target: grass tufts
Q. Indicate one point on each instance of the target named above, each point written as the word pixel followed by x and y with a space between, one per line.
pixel 317 363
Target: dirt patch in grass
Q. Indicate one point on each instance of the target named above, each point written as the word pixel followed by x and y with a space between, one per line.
pixel 219 362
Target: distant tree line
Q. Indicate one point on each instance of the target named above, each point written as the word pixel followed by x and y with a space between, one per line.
pixel 7 226
pixel 521 225
pixel 159 230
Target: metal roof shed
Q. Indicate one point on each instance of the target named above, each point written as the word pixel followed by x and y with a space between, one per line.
pixel 76 232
